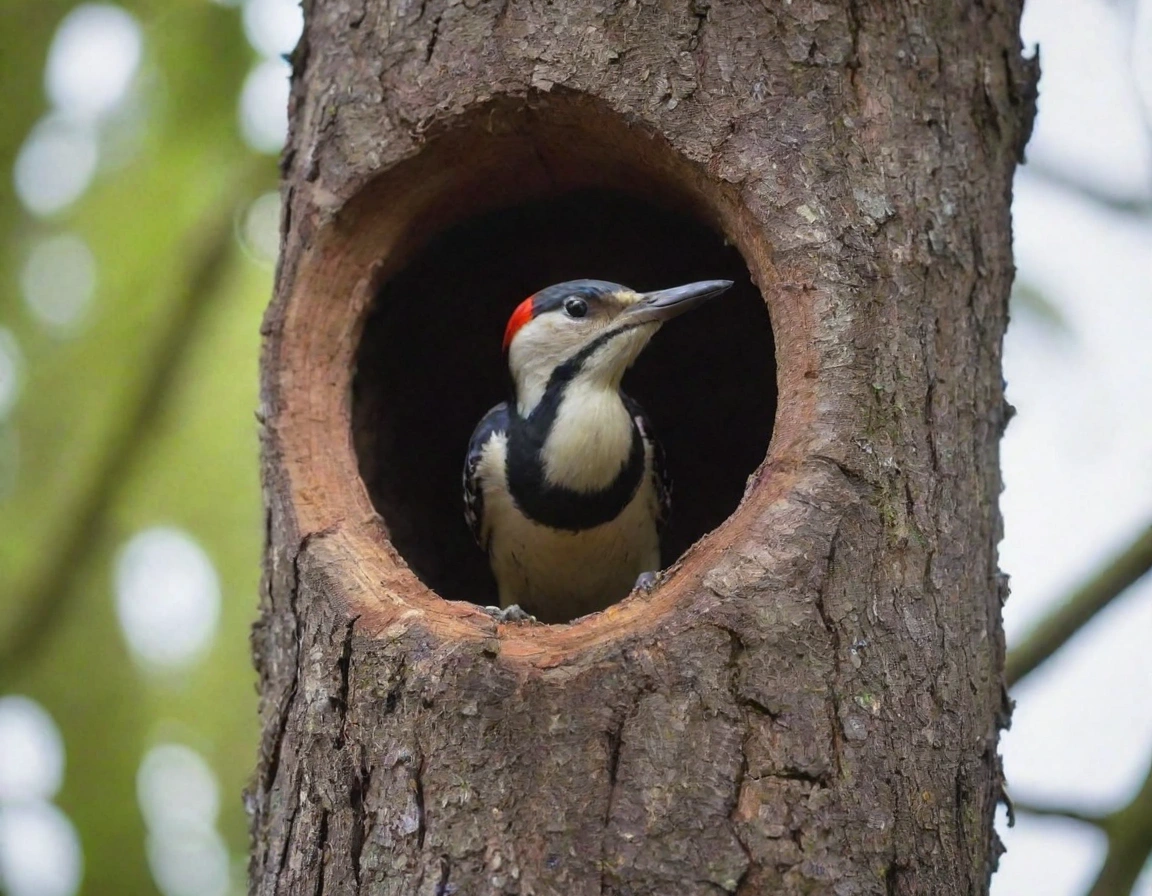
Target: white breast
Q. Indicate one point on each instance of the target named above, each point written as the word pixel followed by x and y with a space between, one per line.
pixel 555 575
pixel 591 439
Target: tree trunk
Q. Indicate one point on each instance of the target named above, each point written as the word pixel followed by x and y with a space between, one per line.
pixel 810 700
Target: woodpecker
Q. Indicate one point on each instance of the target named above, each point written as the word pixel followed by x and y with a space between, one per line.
pixel 564 483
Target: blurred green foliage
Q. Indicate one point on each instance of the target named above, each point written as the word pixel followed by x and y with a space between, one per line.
pixel 142 417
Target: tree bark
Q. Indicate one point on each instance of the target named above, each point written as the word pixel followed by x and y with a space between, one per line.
pixel 810 701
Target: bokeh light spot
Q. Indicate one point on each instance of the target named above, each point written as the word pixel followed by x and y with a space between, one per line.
pixel 1143 885
pixel 11 371
pixel 179 798
pixel 176 790
pixel 92 59
pixel 273 26
pixel 261 231
pixel 195 863
pixel 167 597
pixel 55 165
pixel 58 281
pixel 39 851
pixel 31 751
pixel 264 106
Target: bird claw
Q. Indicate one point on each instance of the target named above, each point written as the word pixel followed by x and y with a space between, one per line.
pixel 646 581
pixel 509 614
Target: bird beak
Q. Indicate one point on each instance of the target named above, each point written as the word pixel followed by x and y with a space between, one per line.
pixel 665 304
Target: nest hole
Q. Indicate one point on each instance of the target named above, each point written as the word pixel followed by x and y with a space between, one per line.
pixel 429 364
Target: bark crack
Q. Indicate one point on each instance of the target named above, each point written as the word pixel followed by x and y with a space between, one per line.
pixel 345 665
pixel 293 812
pixel 418 786
pixel 737 649
pixel 930 416
pixel 699 11
pixel 795 774
pixel 433 39
pixel 834 635
pixel 892 875
pixel 356 797
pixel 285 707
pixel 273 768
pixel 393 695
pixel 358 19
pixel 738 788
pixel 321 848
pixel 445 873
pixel 615 744
pixel 855 478
pixel 754 704
pixel 615 741
pixel 854 27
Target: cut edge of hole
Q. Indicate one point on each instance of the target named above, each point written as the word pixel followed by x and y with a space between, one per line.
pixel 514 152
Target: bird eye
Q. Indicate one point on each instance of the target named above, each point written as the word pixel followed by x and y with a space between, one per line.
pixel 575 307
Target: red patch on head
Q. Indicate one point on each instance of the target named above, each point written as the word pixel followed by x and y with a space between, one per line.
pixel 520 316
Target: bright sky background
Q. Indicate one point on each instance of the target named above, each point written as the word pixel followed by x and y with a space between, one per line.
pixel 1078 457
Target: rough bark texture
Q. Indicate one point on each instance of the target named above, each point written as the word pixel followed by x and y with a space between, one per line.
pixel 810 702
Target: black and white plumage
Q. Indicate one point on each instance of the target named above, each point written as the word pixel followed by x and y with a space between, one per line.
pixel 564 485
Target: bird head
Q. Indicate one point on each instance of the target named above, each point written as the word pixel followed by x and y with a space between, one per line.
pixel 591 329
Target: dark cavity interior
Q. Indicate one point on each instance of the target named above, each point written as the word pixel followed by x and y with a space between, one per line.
pixel 430 364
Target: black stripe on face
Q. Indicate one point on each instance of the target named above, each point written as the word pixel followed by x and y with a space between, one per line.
pixel 553 505
pixel 566 372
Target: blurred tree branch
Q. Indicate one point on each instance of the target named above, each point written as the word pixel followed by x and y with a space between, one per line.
pixel 1028 808
pixel 1062 180
pixel 210 248
pixel 1076 610
pixel 1129 833
pixel 1129 830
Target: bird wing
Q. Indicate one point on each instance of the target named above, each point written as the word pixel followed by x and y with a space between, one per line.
pixel 492 423
pixel 662 481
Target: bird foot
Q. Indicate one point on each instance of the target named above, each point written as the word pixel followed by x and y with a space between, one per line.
pixel 511 613
pixel 646 581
